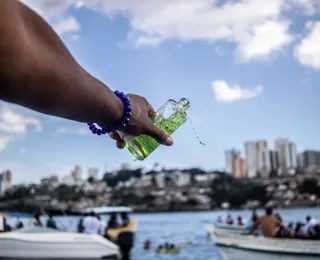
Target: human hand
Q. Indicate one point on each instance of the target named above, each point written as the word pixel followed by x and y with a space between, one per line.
pixel 140 123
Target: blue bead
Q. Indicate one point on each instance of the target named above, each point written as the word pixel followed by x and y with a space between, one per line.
pixel 90 124
pixel 127 115
pixel 99 132
pixel 104 131
pixel 117 92
pixel 95 130
pixel 127 109
pixel 92 127
pixel 126 103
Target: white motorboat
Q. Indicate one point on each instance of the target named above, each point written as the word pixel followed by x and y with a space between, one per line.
pixel 45 243
pixel 235 246
pixel 230 228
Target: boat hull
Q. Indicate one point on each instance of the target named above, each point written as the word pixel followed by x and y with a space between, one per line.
pixel 233 246
pixel 233 253
pixel 56 245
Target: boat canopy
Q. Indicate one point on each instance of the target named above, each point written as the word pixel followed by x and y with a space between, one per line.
pixel 108 210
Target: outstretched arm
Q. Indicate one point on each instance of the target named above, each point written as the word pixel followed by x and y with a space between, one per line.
pixel 37 71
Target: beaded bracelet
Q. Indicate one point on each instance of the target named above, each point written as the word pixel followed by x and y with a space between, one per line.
pixel 125 120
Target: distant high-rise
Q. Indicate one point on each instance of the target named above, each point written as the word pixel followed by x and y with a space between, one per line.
pixel 239 167
pixel 251 159
pixel 235 165
pixel 293 156
pixel 311 159
pixel 263 159
pixel 257 159
pixel 274 162
pixel 229 157
pixel 5 181
pixel 77 173
pixel 283 150
pixel 300 161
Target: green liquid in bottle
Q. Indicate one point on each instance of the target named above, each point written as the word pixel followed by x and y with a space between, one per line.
pixel 142 146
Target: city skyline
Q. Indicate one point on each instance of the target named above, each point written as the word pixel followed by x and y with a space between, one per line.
pixel 263 161
pixel 253 75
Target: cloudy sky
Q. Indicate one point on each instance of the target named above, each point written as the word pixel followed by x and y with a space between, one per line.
pixel 250 69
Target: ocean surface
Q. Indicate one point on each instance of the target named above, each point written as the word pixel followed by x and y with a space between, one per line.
pixel 179 228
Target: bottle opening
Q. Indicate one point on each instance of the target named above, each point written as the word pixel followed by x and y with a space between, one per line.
pixel 184 103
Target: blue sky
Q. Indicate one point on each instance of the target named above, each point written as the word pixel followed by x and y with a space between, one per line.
pixel 250 69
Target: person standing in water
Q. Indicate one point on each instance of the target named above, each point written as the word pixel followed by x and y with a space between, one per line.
pixel 38 72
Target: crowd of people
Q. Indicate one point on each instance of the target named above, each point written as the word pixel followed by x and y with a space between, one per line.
pixel 92 224
pixel 272 225
pixel 6 227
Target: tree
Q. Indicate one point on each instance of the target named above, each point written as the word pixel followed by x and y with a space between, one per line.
pixel 310 186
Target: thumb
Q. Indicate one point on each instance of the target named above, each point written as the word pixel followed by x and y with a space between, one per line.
pixel 158 134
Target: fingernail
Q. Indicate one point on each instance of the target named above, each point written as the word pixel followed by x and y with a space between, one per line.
pixel 169 141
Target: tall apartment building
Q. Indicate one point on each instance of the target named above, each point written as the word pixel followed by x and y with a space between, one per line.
pixel 287 155
pixel 311 159
pixel 263 159
pixel 77 173
pixel 257 159
pixel 274 161
pixel 282 148
pixel 251 159
pixel 235 165
pixel 239 167
pixel 5 181
pixel 293 156
pixel 229 157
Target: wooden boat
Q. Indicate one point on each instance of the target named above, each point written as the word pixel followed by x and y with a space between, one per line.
pixel 235 246
pixel 45 243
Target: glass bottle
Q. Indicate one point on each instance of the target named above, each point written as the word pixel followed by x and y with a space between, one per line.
pixel 170 116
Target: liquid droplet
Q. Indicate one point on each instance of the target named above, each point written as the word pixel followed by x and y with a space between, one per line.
pixel 195 132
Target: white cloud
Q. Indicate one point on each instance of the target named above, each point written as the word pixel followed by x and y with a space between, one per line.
pixel 248 23
pixel 308 50
pixel 23 150
pixel 67 25
pixel 4 141
pixel 74 37
pixel 14 125
pixel 257 27
pixel 225 93
pixel 264 39
pixel 17 124
pixel 72 130
pixel 54 11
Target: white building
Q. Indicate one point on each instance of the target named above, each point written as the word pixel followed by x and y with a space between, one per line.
pixel 263 162
pixel 287 156
pixel 181 178
pixel 77 173
pixel 160 180
pixel 283 149
pixel 251 159
pixel 293 156
pixel 300 161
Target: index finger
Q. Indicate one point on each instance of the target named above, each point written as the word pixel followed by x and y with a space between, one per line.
pixel 151 112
